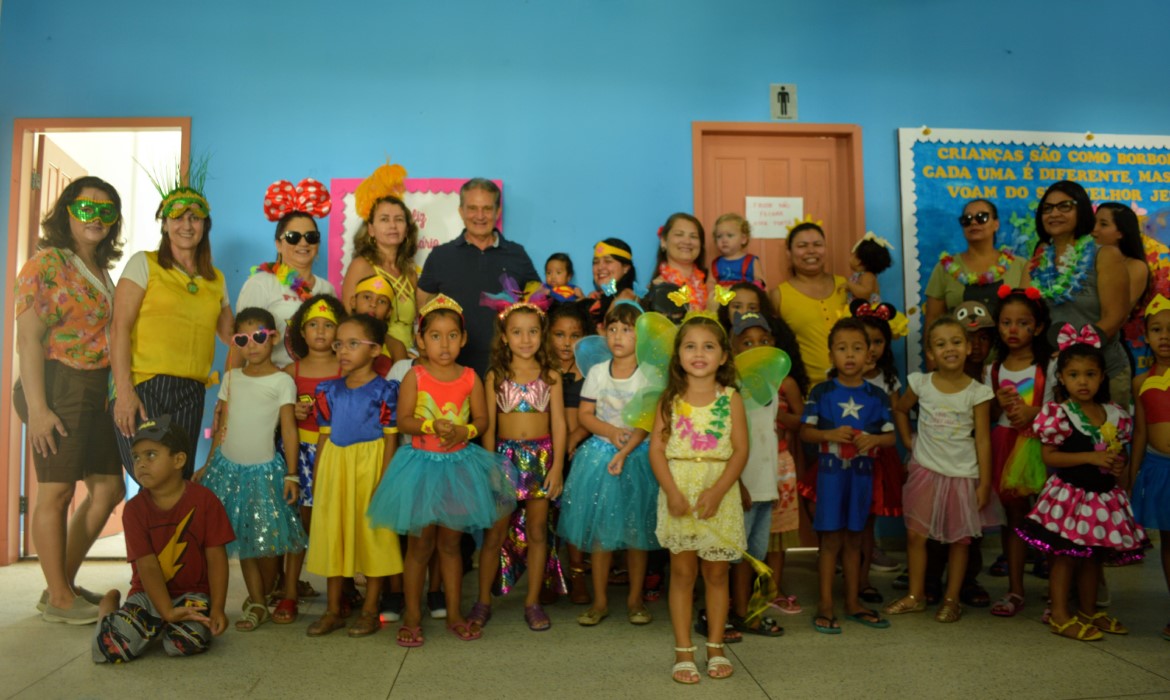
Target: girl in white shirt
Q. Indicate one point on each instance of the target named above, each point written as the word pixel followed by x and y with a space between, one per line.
pixel 949 479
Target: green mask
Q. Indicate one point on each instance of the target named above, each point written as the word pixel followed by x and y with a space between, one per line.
pixel 86 210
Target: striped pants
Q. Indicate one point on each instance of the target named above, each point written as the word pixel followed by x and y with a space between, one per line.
pixel 182 399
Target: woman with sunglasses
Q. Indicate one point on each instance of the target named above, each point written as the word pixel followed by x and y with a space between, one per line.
pixel 976 273
pixel 64 302
pixel 385 244
pixel 282 286
pixel 1083 282
pixel 169 306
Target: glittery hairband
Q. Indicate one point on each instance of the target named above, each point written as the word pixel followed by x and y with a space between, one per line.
pixel 440 303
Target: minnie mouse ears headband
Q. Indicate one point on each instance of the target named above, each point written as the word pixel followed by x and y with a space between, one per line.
pixel 308 197
pixel 1070 336
pixel 1031 292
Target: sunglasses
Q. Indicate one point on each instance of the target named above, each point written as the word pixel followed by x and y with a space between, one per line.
pixel 980 218
pixel 294 237
pixel 352 344
pixel 260 337
pixel 1066 206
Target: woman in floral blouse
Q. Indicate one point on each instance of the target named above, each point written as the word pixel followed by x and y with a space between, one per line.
pixel 64 301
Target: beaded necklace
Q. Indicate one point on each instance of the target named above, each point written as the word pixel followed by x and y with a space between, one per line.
pixel 954 268
pixel 1059 281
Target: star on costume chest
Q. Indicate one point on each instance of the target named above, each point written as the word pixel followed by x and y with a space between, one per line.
pixel 850 408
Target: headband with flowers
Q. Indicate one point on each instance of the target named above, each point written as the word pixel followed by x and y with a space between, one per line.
pixel 308 196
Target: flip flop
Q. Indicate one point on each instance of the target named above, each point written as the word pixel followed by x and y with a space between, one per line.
pixel 869 618
pixel 767 627
pixel 828 628
pixel 414 636
pixel 870 594
pixel 463 631
pixel 786 604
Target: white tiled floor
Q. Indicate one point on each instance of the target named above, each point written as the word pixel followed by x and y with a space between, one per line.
pixel 981 657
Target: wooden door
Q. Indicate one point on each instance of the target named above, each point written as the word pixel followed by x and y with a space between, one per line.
pixel 820 163
pixel 54 170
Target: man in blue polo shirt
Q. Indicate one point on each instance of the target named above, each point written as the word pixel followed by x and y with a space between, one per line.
pixel 473 263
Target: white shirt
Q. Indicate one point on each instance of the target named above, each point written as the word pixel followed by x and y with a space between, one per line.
pixel 609 394
pixel 759 474
pixel 264 290
pixel 946 426
pixel 254 405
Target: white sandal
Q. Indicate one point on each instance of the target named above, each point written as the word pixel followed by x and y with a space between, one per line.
pixel 714 662
pixel 680 666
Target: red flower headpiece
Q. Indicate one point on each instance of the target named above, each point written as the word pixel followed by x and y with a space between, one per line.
pixel 308 196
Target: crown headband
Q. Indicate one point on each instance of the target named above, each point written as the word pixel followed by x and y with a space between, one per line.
pixel 1157 305
pixel 375 284
pixel 387 181
pixel 708 315
pixel 602 249
pixel 308 197
pixel 869 236
pixel 806 220
pixel 319 310
pixel 181 190
pixel 440 303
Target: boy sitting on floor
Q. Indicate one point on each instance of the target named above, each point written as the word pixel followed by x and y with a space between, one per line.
pixel 175 536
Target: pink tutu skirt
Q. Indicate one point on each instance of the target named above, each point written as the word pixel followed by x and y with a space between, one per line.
pixel 1072 522
pixel 944 508
pixel 887 482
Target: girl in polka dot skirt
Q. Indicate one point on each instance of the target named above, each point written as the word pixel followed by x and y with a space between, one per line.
pixel 1082 516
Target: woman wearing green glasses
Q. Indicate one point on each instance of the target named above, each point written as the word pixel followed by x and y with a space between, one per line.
pixel 64 303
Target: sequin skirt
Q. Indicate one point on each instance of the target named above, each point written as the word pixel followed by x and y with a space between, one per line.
pixel 603 512
pixel 1151 492
pixel 531 459
pixel 1072 522
pixel 468 490
pixel 253 496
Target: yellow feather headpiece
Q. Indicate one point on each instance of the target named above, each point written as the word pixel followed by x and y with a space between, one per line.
pixel 385 181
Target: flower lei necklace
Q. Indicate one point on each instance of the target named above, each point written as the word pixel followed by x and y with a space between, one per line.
pixel 953 267
pixel 694 283
pixel 288 277
pixel 1059 280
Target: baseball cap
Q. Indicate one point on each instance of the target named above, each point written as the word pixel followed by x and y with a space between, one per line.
pixel 163 430
pixel 750 319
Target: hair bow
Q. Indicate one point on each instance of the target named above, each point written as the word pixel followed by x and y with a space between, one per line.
pixel 863 308
pixel 1069 335
pixel 724 295
pixel 871 236
pixel 307 196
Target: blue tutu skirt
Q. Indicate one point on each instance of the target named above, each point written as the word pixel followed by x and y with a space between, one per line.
pixel 1151 492
pixel 468 490
pixel 603 512
pixel 253 496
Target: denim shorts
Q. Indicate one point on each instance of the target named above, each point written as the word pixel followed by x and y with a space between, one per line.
pixel 757 524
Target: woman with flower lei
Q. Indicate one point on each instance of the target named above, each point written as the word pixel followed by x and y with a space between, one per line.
pixel 282 286
pixel 1083 283
pixel 976 273
pixel 679 283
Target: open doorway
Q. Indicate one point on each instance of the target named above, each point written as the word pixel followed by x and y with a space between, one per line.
pixel 47 155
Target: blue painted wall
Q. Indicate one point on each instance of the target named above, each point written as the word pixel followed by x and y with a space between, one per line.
pixel 582 108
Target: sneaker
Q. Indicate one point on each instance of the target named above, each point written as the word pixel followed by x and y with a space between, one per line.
pixel 883 562
pixel 392 606
pixel 83 612
pixel 901 582
pixel 437 604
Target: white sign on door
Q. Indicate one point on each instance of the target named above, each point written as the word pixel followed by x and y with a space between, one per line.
pixel 770 217
pixel 783 100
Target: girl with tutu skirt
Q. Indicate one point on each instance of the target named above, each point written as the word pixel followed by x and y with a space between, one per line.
pixel 526 424
pixel 311 332
pixel 698 448
pixel 257 486
pixel 1018 376
pixel 441 485
pixel 888 474
pixel 849 418
pixel 949 479
pixel 1151 436
pixel 609 497
pixel 355 418
pixel 1082 516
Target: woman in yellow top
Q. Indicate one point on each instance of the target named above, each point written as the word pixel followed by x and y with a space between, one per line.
pixel 811 300
pixel 169 306
pixel 385 244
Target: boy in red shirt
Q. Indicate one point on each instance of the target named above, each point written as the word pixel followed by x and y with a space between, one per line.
pixel 175 536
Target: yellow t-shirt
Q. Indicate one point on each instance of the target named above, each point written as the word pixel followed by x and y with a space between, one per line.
pixel 175 331
pixel 811 320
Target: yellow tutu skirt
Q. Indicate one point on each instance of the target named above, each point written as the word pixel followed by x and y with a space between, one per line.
pixel 342 541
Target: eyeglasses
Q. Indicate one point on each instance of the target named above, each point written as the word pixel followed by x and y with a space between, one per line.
pixel 294 237
pixel 352 344
pixel 979 217
pixel 1066 206
pixel 260 336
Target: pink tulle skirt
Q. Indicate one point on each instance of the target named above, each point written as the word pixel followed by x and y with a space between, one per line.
pixel 944 508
